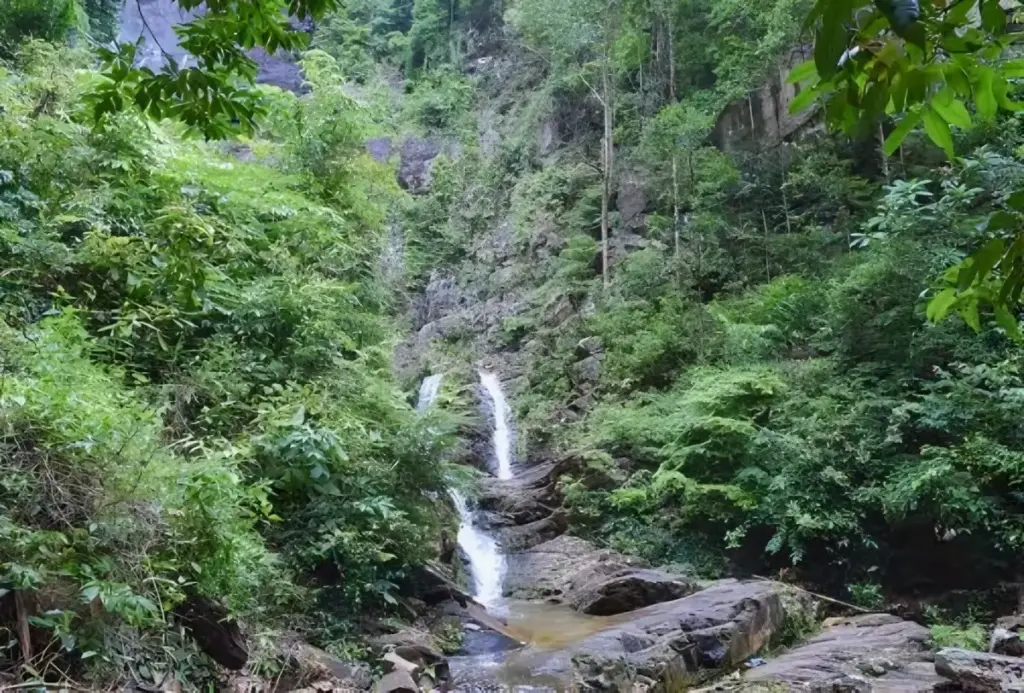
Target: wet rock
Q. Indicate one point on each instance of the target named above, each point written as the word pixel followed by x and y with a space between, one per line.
pixel 520 538
pixel 717 628
pixel 397 682
pixel 547 570
pixel 589 346
pixel 980 672
pixel 547 138
pixel 529 497
pixel 216 633
pixel 632 200
pixel 873 652
pixel 1006 638
pixel 630 590
pixel 416 165
pixel 587 371
pixel 379 149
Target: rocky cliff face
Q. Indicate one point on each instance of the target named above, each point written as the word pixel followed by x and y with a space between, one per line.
pixel 154 20
pixel 763 119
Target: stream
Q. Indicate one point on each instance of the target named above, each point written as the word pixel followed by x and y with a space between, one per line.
pixel 490 657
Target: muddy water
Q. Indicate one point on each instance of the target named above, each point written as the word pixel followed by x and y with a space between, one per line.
pixel 553 626
pixel 540 666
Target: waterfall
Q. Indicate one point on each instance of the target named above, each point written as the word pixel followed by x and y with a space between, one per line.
pixel 502 430
pixel 428 392
pixel 486 563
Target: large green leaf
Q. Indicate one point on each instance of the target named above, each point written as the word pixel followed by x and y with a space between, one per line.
pixel 938 131
pixel 896 137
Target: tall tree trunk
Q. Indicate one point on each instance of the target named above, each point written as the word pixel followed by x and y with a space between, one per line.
pixel 671 57
pixel 608 103
pixel 607 165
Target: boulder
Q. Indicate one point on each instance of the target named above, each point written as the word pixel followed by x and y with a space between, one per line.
pixel 397 681
pixel 716 628
pixel 1006 637
pixel 379 149
pixel 980 672
pixel 548 570
pixel 632 199
pixel 872 652
pixel 416 164
pixel 527 498
pixel 626 591
pixel 518 538
pixel 587 371
pixel 589 346
pixel 213 629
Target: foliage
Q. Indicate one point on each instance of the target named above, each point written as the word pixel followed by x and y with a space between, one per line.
pixel 205 97
pixel 971 637
pixel 48 20
pixel 925 64
pixel 197 396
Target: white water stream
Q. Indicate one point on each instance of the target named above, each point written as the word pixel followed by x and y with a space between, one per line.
pixel 502 431
pixel 486 562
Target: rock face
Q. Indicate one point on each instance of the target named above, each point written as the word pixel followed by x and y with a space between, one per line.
pixel 980 672
pixel 764 117
pixel 416 165
pixel 627 591
pixel 218 635
pixel 716 628
pixel 547 571
pixel 874 652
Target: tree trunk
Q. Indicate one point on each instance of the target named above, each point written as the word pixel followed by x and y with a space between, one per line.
pixel 607 163
pixel 21 610
pixel 671 57
pixel 885 159
pixel 608 103
pixel 675 205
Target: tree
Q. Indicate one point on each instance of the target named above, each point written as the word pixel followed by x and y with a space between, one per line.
pixel 213 96
pixel 577 38
pixel 923 64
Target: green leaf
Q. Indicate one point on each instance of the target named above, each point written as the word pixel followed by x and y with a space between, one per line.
pixel 802 72
pixel 984 95
pixel 830 42
pixel 999 221
pixel 939 306
pixel 1016 200
pixel 993 17
pixel 969 312
pixel 952 110
pixel 1007 321
pixel 938 131
pixel 896 137
pixel 985 259
pixel 802 100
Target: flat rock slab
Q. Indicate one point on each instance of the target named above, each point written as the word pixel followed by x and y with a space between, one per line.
pixel 716 628
pixel 980 672
pixel 626 590
pixel 547 570
pixel 874 652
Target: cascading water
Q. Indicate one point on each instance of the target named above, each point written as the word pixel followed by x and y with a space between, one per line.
pixel 502 430
pixel 486 562
pixel 429 388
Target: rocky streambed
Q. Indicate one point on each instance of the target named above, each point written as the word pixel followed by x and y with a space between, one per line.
pixel 595 620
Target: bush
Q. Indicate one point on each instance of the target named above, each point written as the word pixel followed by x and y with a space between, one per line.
pixel 48 20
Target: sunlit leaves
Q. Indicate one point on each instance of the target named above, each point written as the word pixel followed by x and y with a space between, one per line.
pixel 214 97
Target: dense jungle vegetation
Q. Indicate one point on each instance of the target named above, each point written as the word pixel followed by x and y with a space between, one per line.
pixel 197 395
